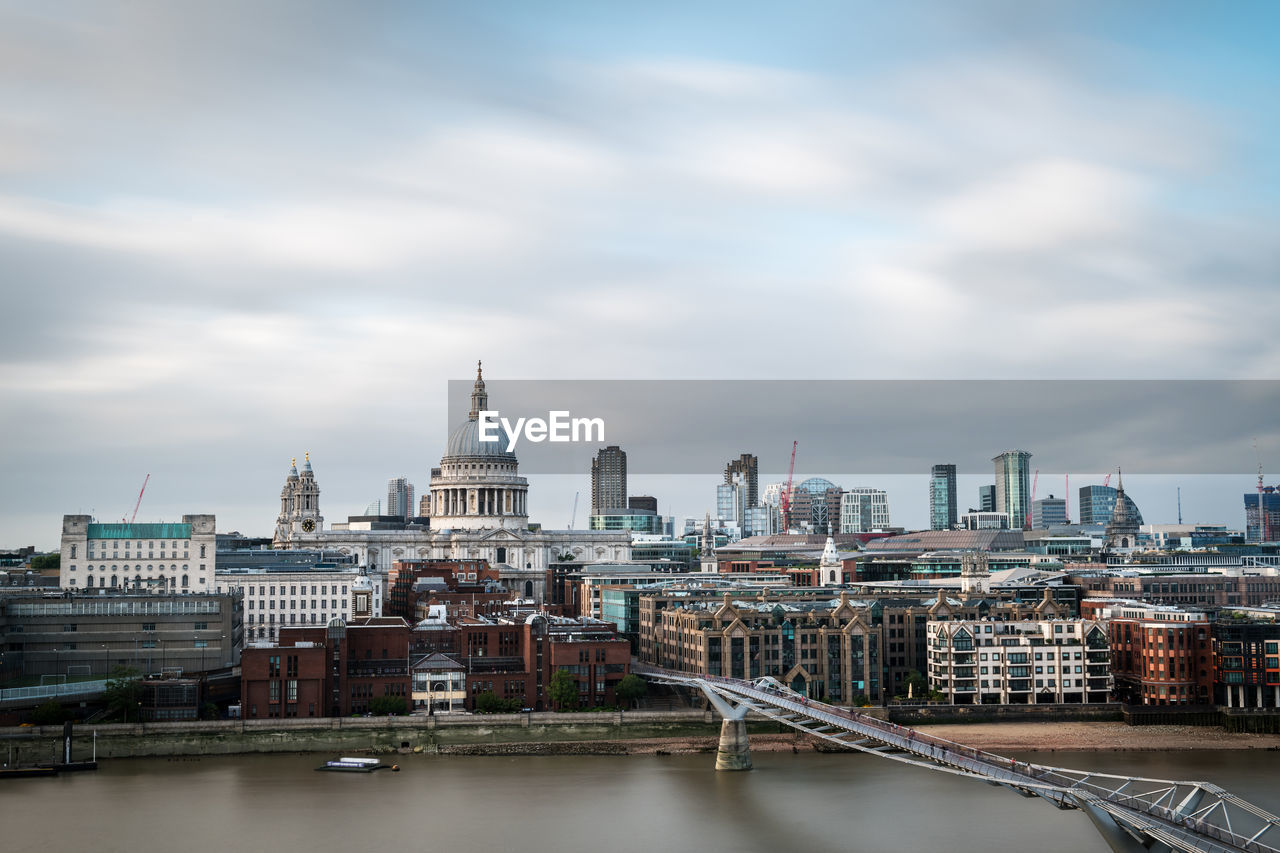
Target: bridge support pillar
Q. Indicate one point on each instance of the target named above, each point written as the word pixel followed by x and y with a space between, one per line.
pixel 735 751
pixel 1116 837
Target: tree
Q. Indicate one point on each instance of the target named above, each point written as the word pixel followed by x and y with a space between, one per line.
pixel 630 689
pixel 48 714
pixel 123 692
pixel 860 700
pixel 563 690
pixel 209 711
pixel 914 686
pixel 46 562
pixel 381 706
pixel 489 702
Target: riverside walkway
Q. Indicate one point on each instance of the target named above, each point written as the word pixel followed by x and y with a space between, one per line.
pixel 1132 813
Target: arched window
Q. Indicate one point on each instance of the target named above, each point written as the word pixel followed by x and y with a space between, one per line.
pixel 113 580
pixel 73 552
pixel 186 581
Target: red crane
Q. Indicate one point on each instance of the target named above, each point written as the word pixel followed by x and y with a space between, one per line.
pixel 139 503
pixel 1107 479
pixel 785 498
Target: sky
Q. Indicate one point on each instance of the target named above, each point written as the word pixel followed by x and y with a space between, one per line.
pixel 233 233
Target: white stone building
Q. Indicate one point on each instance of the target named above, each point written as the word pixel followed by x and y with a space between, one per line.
pixel 168 557
pixel 478 510
pixel 275 597
pixel 1023 662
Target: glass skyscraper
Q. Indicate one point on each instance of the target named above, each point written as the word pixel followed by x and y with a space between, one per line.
pixel 942 497
pixel 1013 486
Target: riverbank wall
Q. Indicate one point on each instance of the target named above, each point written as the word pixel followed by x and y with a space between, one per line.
pixel 434 734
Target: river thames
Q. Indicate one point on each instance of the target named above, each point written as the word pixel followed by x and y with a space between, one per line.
pixel 791 802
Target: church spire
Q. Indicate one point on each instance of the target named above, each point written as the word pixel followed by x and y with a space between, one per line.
pixel 479 397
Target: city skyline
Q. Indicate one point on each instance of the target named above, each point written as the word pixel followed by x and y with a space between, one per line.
pixel 232 234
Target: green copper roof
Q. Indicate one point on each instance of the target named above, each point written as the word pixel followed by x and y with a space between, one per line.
pixel 139 531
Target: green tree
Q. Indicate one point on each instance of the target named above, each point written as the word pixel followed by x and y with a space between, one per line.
pixel 46 562
pixel 914 686
pixel 381 706
pixel 48 714
pixel 209 711
pixel 860 700
pixel 489 702
pixel 631 689
pixel 563 690
pixel 123 693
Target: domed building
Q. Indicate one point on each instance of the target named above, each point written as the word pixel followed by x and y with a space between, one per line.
pixel 477 507
pixel 479 483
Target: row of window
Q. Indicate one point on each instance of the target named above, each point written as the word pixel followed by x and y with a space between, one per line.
pixel 293 605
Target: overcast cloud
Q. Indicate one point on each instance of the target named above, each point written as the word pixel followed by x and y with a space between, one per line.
pixel 233 232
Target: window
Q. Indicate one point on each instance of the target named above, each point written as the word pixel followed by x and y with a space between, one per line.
pixel 202 626
pixel 273 666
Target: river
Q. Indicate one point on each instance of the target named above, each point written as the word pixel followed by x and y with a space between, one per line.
pixel 809 803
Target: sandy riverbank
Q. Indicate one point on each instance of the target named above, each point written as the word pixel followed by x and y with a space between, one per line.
pixel 1039 737
pixel 997 737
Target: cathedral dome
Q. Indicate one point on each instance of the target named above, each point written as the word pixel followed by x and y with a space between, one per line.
pixel 465 441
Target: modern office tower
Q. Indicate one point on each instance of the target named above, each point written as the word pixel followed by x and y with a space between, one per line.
pixel 942 497
pixel 645 502
pixel 400 497
pixel 608 479
pixel 1013 485
pixel 1262 515
pixel 986 498
pixel 748 468
pixel 1097 503
pixel 864 510
pixel 1048 512
pixel 731 501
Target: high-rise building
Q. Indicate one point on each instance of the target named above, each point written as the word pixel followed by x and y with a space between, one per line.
pixel 1262 515
pixel 986 498
pixel 942 497
pixel 400 497
pixel 1097 503
pixel 1013 485
pixel 1048 512
pixel 645 502
pixel 747 467
pixel 863 510
pixel 608 479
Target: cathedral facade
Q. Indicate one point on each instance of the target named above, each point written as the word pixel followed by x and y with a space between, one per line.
pixel 477 504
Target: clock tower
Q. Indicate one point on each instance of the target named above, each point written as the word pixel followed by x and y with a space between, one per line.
pixel 299 506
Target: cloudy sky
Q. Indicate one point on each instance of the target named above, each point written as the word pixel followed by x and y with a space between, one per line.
pixel 234 232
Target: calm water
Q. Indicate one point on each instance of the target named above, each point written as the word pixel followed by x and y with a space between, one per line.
pixel 808 802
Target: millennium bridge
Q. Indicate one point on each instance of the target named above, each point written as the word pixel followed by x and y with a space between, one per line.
pixel 1132 813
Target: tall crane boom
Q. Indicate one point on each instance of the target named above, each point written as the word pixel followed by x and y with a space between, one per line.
pixel 785 498
pixel 139 503
pixel 574 517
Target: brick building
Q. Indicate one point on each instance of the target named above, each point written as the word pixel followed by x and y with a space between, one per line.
pixel 329 671
pixel 818 649
pixel 1199 589
pixel 1160 655
pixel 405 590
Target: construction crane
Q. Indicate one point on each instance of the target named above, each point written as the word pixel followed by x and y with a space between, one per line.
pixel 1026 521
pixel 1263 534
pixel 1106 480
pixel 1067 502
pixel 139 503
pixel 785 498
pixel 574 517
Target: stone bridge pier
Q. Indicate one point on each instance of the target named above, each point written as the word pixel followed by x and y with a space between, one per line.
pixel 734 752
